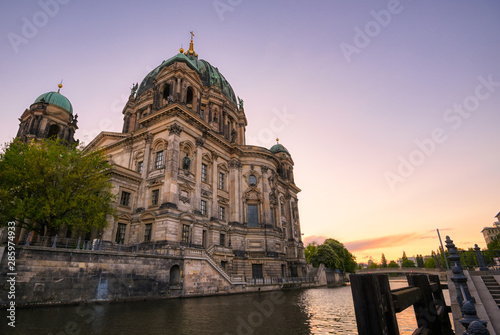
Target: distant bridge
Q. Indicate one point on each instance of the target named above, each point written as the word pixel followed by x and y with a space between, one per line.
pixel 434 271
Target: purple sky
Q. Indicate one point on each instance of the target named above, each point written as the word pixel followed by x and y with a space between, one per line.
pixel 389 108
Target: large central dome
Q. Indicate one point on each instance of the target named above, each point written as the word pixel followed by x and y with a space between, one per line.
pixel 209 75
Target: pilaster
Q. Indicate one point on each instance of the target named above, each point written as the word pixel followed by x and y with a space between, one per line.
pixel 170 191
pixel 235 190
pixel 196 202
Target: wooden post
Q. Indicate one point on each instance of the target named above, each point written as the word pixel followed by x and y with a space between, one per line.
pixel 425 310
pixel 442 309
pixel 373 305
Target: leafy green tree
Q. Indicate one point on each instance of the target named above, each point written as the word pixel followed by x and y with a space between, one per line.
pixel 326 255
pixel 373 265
pixel 383 262
pixel 420 261
pixel 442 255
pixel 334 255
pixel 47 185
pixel 495 243
pixel 468 258
pixel 408 263
pixel 430 263
pixel 393 264
pixel 310 251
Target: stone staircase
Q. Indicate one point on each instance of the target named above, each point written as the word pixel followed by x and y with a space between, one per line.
pixel 493 287
pixel 219 267
pixel 208 256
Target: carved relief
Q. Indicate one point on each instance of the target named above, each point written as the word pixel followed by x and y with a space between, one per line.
pixel 272 198
pixel 175 129
pixel 235 164
pixel 148 138
pixel 200 141
pixel 215 155
pixel 252 195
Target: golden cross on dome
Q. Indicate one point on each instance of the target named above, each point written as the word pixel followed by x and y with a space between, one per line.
pixel 192 35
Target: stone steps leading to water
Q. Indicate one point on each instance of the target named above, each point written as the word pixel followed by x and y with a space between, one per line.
pixel 493 287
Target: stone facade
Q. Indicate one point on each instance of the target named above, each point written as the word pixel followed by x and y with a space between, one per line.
pixel 489 233
pixel 183 175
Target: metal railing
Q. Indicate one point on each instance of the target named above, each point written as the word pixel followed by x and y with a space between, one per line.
pixel 279 280
pixel 470 320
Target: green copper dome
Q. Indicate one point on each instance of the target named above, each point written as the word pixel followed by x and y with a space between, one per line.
pixel 277 148
pixel 209 75
pixel 56 98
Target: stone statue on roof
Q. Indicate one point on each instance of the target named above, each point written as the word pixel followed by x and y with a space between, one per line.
pixel 134 89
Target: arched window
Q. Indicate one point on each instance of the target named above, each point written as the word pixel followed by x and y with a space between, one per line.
pixel 175 274
pixel 252 180
pixel 189 96
pixel 53 131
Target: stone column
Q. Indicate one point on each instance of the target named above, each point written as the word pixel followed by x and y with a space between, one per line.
pixel 170 190
pixel 148 139
pixel 212 210
pixel 129 149
pixel 196 199
pixel 265 192
pixel 289 217
pixel 178 89
pixel 241 134
pixel 235 191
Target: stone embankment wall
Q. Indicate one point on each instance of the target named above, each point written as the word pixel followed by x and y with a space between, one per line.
pixel 54 276
pixel 59 276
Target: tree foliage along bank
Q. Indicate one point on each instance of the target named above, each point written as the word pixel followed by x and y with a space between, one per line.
pixel 332 253
pixel 47 185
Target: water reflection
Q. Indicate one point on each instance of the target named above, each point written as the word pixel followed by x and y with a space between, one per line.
pixel 300 312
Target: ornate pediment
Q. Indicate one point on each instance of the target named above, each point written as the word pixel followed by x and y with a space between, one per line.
pixel 155 182
pixel 253 195
pixel 222 200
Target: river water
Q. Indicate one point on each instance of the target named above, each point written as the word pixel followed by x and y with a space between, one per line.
pixel 303 311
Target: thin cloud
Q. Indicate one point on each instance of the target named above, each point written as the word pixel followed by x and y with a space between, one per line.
pixel 381 242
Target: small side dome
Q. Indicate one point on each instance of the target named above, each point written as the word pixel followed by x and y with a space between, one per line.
pixel 56 98
pixel 277 148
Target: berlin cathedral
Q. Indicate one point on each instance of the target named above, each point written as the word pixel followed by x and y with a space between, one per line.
pixel 183 174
